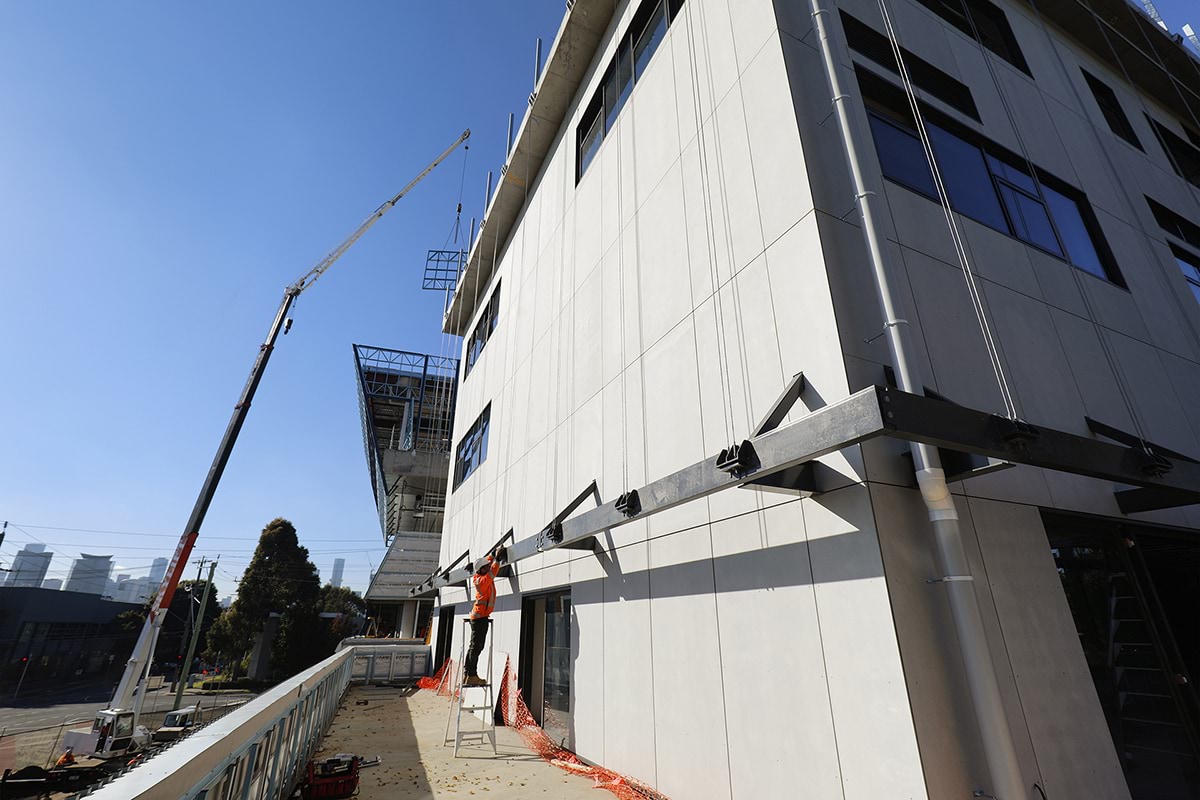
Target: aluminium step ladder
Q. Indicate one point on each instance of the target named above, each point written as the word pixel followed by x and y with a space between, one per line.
pixel 488 705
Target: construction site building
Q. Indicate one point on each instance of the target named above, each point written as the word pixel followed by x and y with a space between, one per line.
pixel 674 236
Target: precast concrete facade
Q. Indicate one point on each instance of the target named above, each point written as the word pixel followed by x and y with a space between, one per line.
pixel 654 294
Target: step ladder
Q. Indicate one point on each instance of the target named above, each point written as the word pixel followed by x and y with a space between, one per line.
pixel 488 703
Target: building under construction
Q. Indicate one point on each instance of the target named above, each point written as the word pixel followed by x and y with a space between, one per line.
pixel 829 375
pixel 406 403
pixel 675 237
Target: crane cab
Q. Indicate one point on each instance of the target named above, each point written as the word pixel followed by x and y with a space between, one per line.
pixel 113 733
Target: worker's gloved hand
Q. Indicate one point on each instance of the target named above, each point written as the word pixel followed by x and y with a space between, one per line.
pixel 500 554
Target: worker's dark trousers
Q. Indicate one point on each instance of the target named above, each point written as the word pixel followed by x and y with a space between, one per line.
pixel 479 629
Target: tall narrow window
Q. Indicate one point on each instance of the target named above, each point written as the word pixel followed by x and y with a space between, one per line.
pixel 650 37
pixel 965 174
pixel 472 450
pixel 984 23
pixel 1184 158
pixel 901 155
pixel 483 330
pixel 1189 264
pixel 1110 107
pixel 634 50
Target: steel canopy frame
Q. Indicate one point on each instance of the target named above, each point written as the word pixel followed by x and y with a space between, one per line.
pixel 871 413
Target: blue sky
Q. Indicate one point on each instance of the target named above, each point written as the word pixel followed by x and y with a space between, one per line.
pixel 165 170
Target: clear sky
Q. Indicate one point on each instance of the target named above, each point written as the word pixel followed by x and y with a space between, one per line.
pixel 165 170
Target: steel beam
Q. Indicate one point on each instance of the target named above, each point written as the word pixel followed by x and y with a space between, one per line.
pixel 922 419
pixel 872 412
pixel 824 431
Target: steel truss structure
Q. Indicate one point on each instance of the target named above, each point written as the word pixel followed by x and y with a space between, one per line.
pixel 406 405
pixel 871 413
pixel 442 268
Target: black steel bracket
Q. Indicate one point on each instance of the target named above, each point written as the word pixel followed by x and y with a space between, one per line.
pixel 628 504
pixel 738 459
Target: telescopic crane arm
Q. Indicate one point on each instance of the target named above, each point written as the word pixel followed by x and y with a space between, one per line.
pixel 143 651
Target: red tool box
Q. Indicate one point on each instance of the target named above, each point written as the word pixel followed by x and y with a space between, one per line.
pixel 332 777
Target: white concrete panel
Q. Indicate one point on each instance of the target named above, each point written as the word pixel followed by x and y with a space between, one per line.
pixel 612 312
pixel 673 431
pixel 877 748
pixel 1098 389
pixel 753 23
pixel 587 208
pixel 629 266
pixel 779 175
pixel 587 669
pixel 997 257
pixel 1075 754
pixel 701 248
pixel 655 126
pixel 1163 418
pixel 1037 369
pixel 588 337
pixel 763 378
pixel 683 64
pixel 717 431
pixel 734 170
pixel 629 723
pixel 774 675
pixel 711 33
pixel 662 259
pixel 689 723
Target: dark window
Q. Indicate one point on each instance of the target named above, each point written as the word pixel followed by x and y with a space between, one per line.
pixel 874 45
pixel 1175 224
pixel 1189 264
pixel 635 48
pixel 472 450
pixel 964 171
pixel 984 182
pixel 1184 158
pixel 1074 231
pixel 483 329
pixel 649 36
pixel 901 155
pixel 590 133
pixel 983 22
pixel 1110 107
pixel 617 85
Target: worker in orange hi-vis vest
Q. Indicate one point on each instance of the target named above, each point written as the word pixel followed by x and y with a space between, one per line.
pixel 484 581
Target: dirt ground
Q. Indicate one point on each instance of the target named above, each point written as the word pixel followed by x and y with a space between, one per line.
pixel 407 730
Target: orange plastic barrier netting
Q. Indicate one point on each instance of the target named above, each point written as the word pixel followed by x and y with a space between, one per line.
pixel 516 715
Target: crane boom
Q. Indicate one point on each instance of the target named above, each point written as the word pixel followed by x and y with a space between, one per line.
pixel 143 652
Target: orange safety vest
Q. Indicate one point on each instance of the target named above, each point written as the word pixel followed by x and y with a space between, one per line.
pixel 485 592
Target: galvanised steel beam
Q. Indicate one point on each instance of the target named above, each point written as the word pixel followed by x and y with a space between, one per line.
pixel 873 412
pixel 824 431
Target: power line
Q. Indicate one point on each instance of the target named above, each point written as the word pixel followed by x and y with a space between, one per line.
pixel 166 535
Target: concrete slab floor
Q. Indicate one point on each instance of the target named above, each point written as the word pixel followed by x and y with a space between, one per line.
pixel 407 731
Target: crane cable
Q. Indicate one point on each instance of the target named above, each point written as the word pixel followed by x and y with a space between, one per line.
pixel 973 288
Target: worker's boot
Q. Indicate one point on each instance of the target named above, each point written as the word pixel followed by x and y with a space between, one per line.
pixel 474 680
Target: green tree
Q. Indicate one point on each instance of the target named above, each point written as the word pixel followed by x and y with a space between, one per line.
pixel 353 610
pixel 172 641
pixel 280 579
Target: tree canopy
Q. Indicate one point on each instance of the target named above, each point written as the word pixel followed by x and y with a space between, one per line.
pixel 281 579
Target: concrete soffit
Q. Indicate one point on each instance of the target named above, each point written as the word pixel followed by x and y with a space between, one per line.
pixel 578 38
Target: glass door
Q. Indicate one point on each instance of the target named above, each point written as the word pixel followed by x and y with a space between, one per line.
pixel 556 688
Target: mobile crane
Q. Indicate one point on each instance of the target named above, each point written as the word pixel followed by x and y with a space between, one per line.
pixel 115 731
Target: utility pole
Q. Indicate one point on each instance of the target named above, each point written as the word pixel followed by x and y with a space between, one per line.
pixel 186 667
pixel 191 615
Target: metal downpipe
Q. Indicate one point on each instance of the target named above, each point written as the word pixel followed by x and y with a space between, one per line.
pixel 950 556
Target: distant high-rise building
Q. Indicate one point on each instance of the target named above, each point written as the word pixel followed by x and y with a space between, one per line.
pixel 157 570
pixel 339 568
pixel 52 583
pixel 89 574
pixel 30 565
pixel 226 602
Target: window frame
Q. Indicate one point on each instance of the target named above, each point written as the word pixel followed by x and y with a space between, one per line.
pixel 598 109
pixel 965 16
pixel 1173 146
pixel 882 100
pixel 1192 260
pixel 481 334
pixel 1110 108
pixel 474 442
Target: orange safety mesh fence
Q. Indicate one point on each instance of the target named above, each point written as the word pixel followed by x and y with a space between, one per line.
pixel 517 716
